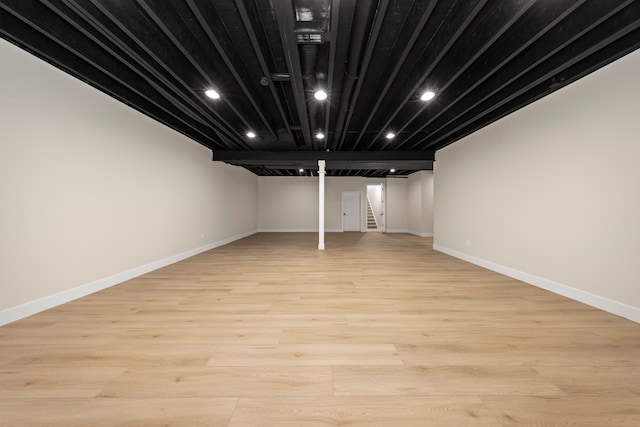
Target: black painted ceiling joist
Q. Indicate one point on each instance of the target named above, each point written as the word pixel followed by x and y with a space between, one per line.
pixel 371 43
pixel 260 57
pixel 503 53
pixel 507 14
pixel 229 127
pixel 237 73
pixel 284 15
pixel 175 95
pixel 442 43
pixel 336 160
pixel 408 46
pixel 486 59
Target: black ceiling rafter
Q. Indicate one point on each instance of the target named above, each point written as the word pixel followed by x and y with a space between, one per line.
pixel 230 66
pixel 544 74
pixel 442 52
pixel 460 70
pixel 167 33
pixel 246 21
pixel 159 89
pixel 224 131
pixel 486 70
pixel 284 16
pixel 357 23
pixel 537 49
pixel 91 20
pixel 525 99
pixel 342 160
pixel 160 57
pixel 204 136
pixel 371 42
pixel 426 14
pixel 549 71
pixel 334 23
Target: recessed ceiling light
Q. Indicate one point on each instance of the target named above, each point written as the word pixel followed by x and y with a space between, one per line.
pixel 251 134
pixel 300 170
pixel 390 135
pixel 392 170
pixel 320 95
pixel 427 96
pixel 212 94
pixel 320 135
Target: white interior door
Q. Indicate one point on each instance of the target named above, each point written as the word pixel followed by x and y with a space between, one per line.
pixel 351 216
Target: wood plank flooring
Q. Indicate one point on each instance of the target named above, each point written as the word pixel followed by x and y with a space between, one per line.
pixel 378 330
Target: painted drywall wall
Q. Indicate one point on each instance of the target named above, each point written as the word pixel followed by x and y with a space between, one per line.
pixel 288 203
pixel 335 185
pixel 291 203
pixel 374 193
pixel 420 203
pixel 94 192
pixel 551 193
pixel 397 205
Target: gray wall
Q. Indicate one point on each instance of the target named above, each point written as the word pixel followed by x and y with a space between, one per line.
pixel 551 193
pixel 291 203
pixel 420 203
pixel 94 192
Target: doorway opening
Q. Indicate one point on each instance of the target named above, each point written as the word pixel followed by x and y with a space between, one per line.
pixel 375 208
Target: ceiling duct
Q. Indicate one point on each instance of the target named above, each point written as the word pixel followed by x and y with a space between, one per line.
pixel 312 16
pixel 312 23
pixel 309 59
pixel 310 39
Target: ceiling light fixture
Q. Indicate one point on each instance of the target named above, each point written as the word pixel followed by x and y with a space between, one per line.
pixel 392 170
pixel 320 95
pixel 320 135
pixel 427 96
pixel 251 134
pixel 300 170
pixel 212 94
pixel 390 135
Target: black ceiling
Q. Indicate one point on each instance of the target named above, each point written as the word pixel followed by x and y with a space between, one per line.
pixel 483 59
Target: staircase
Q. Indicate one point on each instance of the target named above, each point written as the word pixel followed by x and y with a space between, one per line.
pixel 371 218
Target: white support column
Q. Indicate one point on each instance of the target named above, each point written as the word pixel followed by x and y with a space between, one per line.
pixel 321 172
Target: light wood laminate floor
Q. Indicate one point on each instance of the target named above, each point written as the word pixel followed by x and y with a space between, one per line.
pixel 378 330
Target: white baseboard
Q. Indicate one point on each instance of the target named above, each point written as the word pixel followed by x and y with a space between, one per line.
pixel 606 304
pixel 415 233
pixel 297 230
pixel 406 231
pixel 27 309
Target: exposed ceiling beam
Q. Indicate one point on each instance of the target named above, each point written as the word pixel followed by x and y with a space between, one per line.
pixel 284 15
pixel 371 44
pixel 503 56
pixel 167 32
pixel 441 46
pixel 426 13
pixel 514 12
pixel 248 26
pixel 343 160
pixel 236 72
pixel 514 101
pixel 220 131
pixel 105 79
pixel 546 66
pixel 333 31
